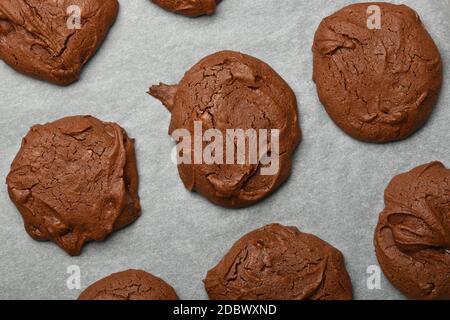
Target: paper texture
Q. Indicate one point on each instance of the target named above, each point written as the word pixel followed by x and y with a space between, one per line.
pixel 335 190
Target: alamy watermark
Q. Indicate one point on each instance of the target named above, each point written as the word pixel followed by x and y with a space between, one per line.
pixel 74 20
pixel 374 17
pixel 374 277
pixel 73 282
pixel 234 146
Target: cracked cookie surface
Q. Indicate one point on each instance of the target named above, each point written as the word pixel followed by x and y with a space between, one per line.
pixel 190 8
pixel 378 85
pixel 129 285
pixel 280 263
pixel 231 90
pixel 39 37
pixel 412 239
pixel 75 180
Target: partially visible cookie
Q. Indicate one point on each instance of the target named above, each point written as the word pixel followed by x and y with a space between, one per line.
pixel 280 263
pixel 52 40
pixel 378 85
pixel 412 239
pixel 129 285
pixel 190 8
pixel 233 91
pixel 75 180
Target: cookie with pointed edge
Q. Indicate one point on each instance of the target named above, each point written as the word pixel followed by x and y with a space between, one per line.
pixel 232 91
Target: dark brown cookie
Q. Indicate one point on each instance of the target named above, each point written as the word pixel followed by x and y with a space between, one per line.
pixel 412 239
pixel 129 285
pixel 75 180
pixel 190 8
pixel 378 85
pixel 41 38
pixel 231 90
pixel 280 263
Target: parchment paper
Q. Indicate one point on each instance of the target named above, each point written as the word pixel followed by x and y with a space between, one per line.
pixel 337 183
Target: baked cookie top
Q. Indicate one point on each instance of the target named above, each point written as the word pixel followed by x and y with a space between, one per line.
pixel 230 90
pixel 377 85
pixel 75 180
pixel 279 263
pixel 412 239
pixel 52 40
pixel 190 8
pixel 129 285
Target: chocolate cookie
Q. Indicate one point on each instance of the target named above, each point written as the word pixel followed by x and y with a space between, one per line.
pixel 378 85
pixel 52 40
pixel 75 180
pixel 129 285
pixel 233 91
pixel 280 263
pixel 412 239
pixel 190 8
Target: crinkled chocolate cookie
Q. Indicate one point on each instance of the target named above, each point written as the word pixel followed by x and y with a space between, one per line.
pixel 233 91
pixel 280 263
pixel 377 85
pixel 75 180
pixel 53 39
pixel 129 285
pixel 412 239
pixel 190 8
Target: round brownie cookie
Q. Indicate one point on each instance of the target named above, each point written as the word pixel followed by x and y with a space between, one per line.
pixel 190 8
pixel 52 40
pixel 129 285
pixel 412 239
pixel 280 263
pixel 378 85
pixel 75 180
pixel 231 90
